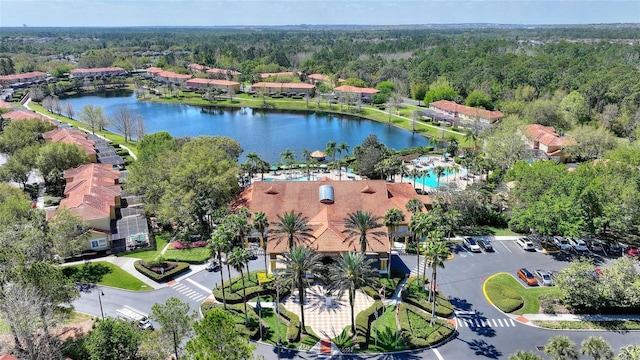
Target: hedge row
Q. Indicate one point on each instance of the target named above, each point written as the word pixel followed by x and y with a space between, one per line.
pixel 252 291
pixel 363 323
pixel 293 329
pixel 414 295
pixel 421 335
pixel 168 275
pixel 390 285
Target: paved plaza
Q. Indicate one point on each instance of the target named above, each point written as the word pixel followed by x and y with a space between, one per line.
pixel 326 320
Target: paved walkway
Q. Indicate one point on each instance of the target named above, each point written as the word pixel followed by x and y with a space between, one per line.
pixel 527 318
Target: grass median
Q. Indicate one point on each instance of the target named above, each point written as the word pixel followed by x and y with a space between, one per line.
pixel 510 296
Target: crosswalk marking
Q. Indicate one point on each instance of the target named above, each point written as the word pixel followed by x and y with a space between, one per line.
pixel 483 323
pixel 188 292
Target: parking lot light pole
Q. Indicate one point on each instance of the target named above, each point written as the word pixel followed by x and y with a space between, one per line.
pixel 100 295
pixel 278 317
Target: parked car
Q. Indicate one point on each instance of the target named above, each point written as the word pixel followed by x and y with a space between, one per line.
pixel 471 244
pixel 525 244
pixel 212 265
pixel 562 243
pixel 632 252
pixel 544 277
pixel 485 245
pixel 527 277
pixel 595 245
pixel 252 255
pixel 579 245
pixel 614 248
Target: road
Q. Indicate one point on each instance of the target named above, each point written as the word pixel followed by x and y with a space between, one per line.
pixel 483 331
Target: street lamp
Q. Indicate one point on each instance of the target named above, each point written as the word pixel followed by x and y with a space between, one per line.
pixel 100 295
pixel 278 317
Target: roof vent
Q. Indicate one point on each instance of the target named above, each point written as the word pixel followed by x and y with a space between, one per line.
pixel 271 191
pixel 326 194
pixel 367 190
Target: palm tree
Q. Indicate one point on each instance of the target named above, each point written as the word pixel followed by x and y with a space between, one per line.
pixel 343 146
pixel 424 174
pixel 221 243
pixel 439 172
pixel 306 156
pixel 288 157
pixel 238 259
pixel 392 219
pixel 293 227
pixel 597 348
pixel 359 225
pixel 414 205
pixel 299 262
pixel 524 355
pixel 419 226
pixel 561 348
pixel 629 352
pixel 415 174
pixel 451 218
pixel 436 252
pixel 352 272
pixel 261 223
pixel 472 136
pixel 253 159
pixel 331 149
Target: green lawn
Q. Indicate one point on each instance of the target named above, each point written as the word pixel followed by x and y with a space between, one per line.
pixel 529 294
pixel 618 325
pixel 383 333
pixel 104 273
pixel 195 255
pixel 148 255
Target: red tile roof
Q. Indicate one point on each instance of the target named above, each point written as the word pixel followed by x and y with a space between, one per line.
pixel 173 75
pixel 319 77
pixel 283 85
pixel 24 76
pixel 327 220
pixel 453 107
pixel 547 135
pixel 355 89
pixel 198 81
pixel 154 70
pixel 5 105
pixel 24 115
pixel 91 191
pixel 223 71
pixel 197 67
pixel 71 136
pixel 8 357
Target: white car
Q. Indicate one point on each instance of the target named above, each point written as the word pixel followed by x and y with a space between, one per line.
pixel 579 245
pixel 525 244
pixel 471 244
pixel 544 277
pixel 562 243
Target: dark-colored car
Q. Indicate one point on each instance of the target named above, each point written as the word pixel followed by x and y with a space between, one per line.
pixel 252 255
pixel 212 266
pixel 614 248
pixel 485 245
pixel 527 277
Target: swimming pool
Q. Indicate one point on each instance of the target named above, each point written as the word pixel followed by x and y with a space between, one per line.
pixel 431 180
pixel 300 178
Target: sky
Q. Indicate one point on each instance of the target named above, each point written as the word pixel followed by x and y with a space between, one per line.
pixel 115 13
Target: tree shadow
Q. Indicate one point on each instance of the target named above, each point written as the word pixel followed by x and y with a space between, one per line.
pixel 482 348
pixel 460 304
pixel 475 320
pixel 88 273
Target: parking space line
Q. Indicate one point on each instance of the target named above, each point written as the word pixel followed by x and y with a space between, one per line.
pixel 505 246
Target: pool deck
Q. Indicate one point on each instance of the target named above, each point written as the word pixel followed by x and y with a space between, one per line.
pixel 286 175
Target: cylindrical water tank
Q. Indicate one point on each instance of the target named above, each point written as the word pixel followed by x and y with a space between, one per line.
pixel 326 194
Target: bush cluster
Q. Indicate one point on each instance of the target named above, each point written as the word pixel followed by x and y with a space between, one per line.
pixel 363 323
pixel 293 329
pixel 414 294
pixel 417 331
pixel 237 311
pixel 179 268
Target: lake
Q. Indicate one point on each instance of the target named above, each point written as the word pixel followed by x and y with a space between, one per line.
pixel 266 133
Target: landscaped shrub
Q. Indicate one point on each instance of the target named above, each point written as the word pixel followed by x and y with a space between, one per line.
pixel 505 298
pixel 177 269
pixel 417 331
pixel 178 245
pixel 293 329
pixel 237 311
pixel 414 294
pixel 264 278
pixel 253 290
pixel 363 323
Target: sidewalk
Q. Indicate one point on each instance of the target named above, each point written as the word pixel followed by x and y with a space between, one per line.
pixel 571 317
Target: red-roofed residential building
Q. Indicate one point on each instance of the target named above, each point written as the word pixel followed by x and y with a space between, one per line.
pixel 363 92
pixel 8 357
pixel 171 77
pixel 93 193
pixel 25 114
pixel 318 78
pixel 4 106
pixel 72 136
pixel 152 71
pixel 96 72
pixel 223 73
pixel 546 140
pixel 198 83
pixel 326 204
pixel 465 113
pixel 25 78
pixel 196 68
pixel 284 88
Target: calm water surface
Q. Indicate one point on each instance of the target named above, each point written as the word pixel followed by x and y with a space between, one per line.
pixel 266 133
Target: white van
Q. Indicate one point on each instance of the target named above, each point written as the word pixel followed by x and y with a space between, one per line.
pixel 129 314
